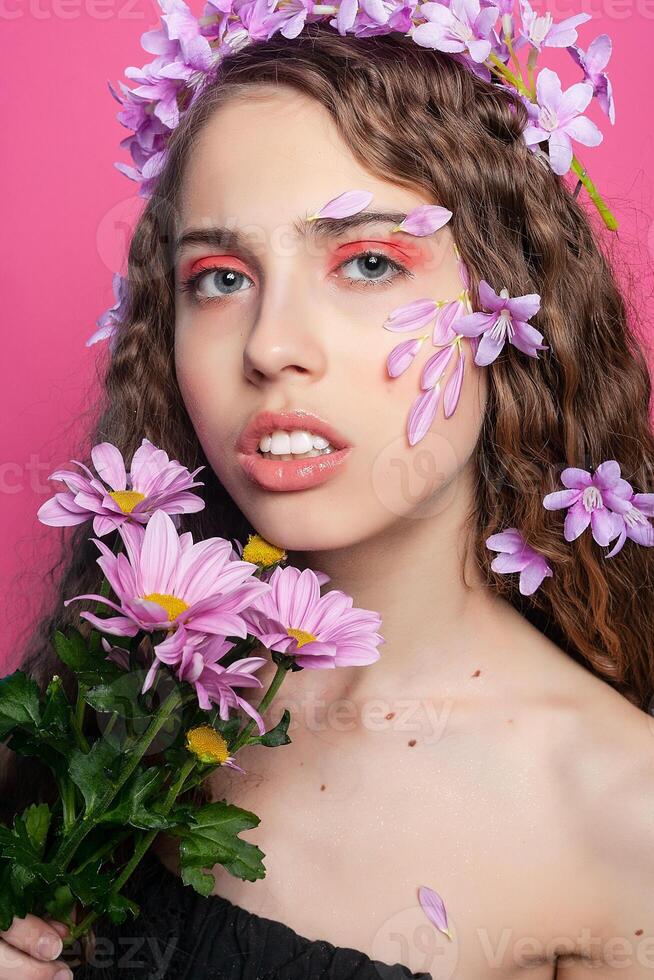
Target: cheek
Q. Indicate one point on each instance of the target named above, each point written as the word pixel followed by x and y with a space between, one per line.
pixel 201 375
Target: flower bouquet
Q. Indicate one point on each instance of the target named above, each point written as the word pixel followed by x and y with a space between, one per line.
pixel 170 642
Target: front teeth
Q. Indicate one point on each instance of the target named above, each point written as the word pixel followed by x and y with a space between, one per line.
pixel 297 444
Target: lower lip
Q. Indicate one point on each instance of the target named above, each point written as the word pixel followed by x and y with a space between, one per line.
pixel 291 474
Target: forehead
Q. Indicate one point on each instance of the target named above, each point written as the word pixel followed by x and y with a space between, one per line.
pixel 267 158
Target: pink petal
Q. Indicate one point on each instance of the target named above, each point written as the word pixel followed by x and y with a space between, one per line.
pixel 509 540
pixel 159 554
pixel 345 204
pixel 560 498
pixel 422 414
pixel 602 524
pixel 411 316
pixel 434 367
pixel 576 521
pixel 434 908
pixel 401 357
pixel 576 478
pixel 424 220
pixel 54 514
pixel 453 387
pixel 109 464
pixel 532 575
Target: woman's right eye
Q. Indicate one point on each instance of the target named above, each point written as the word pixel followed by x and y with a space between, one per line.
pixel 207 285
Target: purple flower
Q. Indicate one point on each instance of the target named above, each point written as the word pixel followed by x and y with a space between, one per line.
pixel 111 319
pixel 557 119
pixel 155 482
pixel 598 500
pixel 505 319
pixel 541 31
pixel 635 522
pixel 518 556
pixel 180 39
pixel 318 631
pixel 593 62
pixel 461 26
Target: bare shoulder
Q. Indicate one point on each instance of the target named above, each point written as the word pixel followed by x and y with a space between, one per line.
pixel 596 753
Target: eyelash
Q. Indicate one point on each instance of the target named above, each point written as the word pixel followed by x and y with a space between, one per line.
pixel 189 285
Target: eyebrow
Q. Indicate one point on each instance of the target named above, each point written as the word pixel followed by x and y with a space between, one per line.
pixel 321 229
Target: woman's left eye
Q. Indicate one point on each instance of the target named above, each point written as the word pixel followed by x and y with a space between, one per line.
pixel 372 265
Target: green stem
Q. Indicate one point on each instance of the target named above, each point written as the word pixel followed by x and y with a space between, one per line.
pixel 141 847
pixel 265 703
pixel 607 216
pixel 500 69
pixel 68 847
pixel 514 57
pixel 68 804
pixel 104 849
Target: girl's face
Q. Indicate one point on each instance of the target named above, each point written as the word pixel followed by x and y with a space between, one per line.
pixel 287 315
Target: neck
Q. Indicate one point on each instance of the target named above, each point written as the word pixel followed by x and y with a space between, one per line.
pixel 412 574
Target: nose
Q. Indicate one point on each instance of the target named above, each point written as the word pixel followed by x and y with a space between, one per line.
pixel 286 339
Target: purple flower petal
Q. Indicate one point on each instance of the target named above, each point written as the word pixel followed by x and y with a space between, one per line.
pixel 434 908
pixel 345 204
pixel 434 367
pixel 452 390
pixel 424 220
pixel 401 357
pixel 576 521
pixel 411 316
pixel 422 414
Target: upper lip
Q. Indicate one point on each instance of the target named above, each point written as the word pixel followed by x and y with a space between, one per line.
pixel 267 422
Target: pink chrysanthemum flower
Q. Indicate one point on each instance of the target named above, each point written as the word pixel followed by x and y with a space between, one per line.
pixel 165 582
pixel 155 482
pixel 318 631
pixel 214 683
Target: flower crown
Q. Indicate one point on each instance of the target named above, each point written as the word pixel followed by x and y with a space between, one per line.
pixel 485 36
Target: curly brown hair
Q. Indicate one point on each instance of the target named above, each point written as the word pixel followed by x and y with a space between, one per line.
pixel 423 120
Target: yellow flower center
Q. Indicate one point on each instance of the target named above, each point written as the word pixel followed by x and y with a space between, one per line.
pixel 207 744
pixel 261 552
pixel 301 636
pixel 127 499
pixel 170 603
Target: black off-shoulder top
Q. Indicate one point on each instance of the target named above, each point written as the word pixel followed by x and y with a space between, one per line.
pixel 181 935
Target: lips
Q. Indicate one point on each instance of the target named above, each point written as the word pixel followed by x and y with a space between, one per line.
pixel 267 422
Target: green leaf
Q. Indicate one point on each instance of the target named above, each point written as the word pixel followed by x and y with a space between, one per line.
pixel 118 906
pixel 61 905
pixel 73 650
pixel 211 837
pixel 56 710
pixel 92 771
pixel 36 821
pixel 13 901
pixel 19 702
pixel 129 807
pixel 274 736
pixel 107 697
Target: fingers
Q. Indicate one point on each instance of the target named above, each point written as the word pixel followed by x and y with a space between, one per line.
pixel 14 964
pixel 31 944
pixel 60 927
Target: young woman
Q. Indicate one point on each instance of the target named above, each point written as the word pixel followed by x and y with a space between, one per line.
pixel 500 750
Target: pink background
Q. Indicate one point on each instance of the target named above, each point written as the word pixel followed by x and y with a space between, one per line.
pixel 68 211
